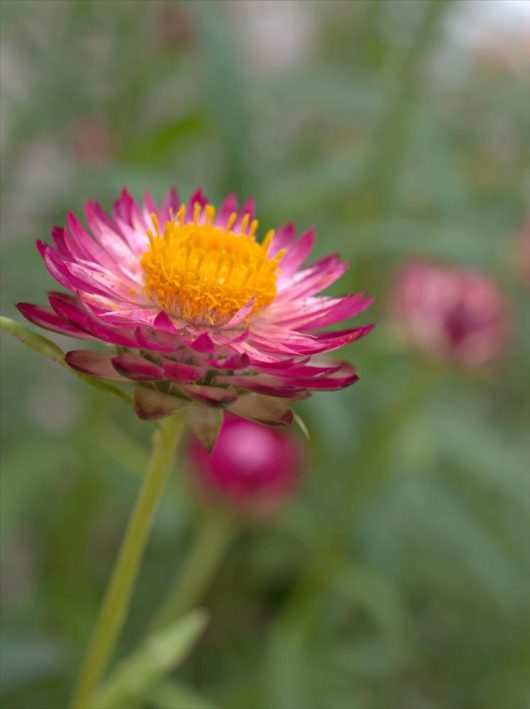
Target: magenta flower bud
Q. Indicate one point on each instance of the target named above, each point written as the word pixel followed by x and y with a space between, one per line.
pixel 450 313
pixel 253 468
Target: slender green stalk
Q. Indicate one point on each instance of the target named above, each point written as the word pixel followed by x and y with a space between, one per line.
pixel 213 534
pixel 117 597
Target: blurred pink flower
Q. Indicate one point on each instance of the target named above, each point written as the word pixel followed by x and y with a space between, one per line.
pixel 450 313
pixel 194 309
pixel 253 469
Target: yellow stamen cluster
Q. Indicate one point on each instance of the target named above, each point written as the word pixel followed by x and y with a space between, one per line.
pixel 204 273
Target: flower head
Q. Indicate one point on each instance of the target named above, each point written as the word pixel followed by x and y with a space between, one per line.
pixel 252 470
pixel 451 313
pixel 194 308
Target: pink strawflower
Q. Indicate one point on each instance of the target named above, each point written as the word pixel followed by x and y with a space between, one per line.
pixel 253 469
pixel 195 309
pixel 451 313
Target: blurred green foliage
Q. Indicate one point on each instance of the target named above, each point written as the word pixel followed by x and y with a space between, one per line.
pixel 399 576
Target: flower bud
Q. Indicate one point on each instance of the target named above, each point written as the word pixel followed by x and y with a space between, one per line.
pixel 253 469
pixel 450 313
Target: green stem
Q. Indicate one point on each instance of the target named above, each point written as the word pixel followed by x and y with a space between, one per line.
pixel 213 534
pixel 117 597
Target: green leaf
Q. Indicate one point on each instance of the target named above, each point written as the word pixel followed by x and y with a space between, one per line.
pixel 135 676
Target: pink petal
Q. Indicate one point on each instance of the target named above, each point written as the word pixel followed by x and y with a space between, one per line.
pixel 258 355
pixel 97 278
pixel 59 241
pixel 121 314
pixel 261 384
pixel 237 361
pixel 229 206
pixel 97 363
pixel 67 307
pixel 82 276
pixel 82 245
pixel 310 313
pixel 196 198
pixel 138 241
pixel 241 314
pixel 180 372
pixel 170 205
pixel 163 322
pixel 134 366
pixel 282 238
pixel 296 254
pixel 212 396
pixel 279 341
pixel 328 341
pixel 50 321
pixel 307 371
pixel 313 279
pixel 108 237
pixel 127 211
pixel 249 208
pixel 149 339
pixel 278 363
pixel 343 376
pixel 150 206
pixel 203 343
pixel 227 337
pixel 56 265
pixel 70 308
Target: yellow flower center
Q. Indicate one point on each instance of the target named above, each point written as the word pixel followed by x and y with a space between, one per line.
pixel 204 273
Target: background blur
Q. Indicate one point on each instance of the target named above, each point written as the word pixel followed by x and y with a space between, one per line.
pixel 396 128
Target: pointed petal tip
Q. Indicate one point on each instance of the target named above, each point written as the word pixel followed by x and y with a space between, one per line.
pixel 135 367
pixel 205 423
pixel 42 247
pixel 163 322
pixel 203 343
pixel 198 197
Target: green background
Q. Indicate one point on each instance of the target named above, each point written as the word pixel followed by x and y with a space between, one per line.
pixel 398 577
